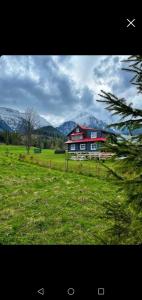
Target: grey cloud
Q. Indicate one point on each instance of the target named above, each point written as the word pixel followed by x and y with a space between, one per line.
pixel 87 99
pixel 38 81
pixel 23 91
pixel 111 67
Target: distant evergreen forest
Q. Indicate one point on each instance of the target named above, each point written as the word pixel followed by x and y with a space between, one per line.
pixel 46 138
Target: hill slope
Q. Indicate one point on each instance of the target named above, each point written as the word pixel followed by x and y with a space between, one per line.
pixel 48 131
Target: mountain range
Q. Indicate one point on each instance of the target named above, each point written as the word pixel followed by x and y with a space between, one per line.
pixel 11 120
pixel 84 119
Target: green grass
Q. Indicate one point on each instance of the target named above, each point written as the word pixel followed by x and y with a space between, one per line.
pixel 39 205
pixel 57 161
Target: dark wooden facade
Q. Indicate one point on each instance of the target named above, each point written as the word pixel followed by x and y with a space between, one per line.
pixel 85 139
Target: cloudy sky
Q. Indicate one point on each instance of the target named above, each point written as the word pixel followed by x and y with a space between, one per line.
pixel 61 87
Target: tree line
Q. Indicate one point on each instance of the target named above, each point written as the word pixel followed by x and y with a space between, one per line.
pixel 43 142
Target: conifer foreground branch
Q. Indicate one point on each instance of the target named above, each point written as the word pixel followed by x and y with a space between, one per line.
pixel 127 171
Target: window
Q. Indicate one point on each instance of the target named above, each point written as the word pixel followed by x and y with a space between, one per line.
pixel 72 146
pixel 94 134
pixel 77 137
pixel 82 146
pixel 77 129
pixel 93 147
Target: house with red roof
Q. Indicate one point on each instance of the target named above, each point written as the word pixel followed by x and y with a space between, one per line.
pixel 86 139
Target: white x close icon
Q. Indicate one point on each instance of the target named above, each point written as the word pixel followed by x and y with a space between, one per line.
pixel 131 23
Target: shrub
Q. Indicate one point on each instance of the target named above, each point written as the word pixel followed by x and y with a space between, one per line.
pixel 59 151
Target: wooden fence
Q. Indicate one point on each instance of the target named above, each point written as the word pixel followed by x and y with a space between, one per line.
pixel 90 155
pixel 93 169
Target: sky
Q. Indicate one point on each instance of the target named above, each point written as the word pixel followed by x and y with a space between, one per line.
pixel 61 87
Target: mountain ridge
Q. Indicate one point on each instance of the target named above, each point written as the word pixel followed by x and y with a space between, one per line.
pixel 84 119
pixel 13 118
pixel 49 131
pixel 4 126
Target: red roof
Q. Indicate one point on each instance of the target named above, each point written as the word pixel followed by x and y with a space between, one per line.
pixel 83 127
pixel 87 140
pixel 76 133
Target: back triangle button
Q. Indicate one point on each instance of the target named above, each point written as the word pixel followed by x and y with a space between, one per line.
pixel 41 291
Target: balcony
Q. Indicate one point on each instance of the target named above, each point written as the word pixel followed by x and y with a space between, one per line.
pixel 76 136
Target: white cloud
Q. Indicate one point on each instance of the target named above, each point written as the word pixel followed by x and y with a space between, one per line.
pixel 62 86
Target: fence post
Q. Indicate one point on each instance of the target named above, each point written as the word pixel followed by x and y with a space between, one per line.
pixel 50 164
pixel 99 167
pixel 66 164
pixel 80 167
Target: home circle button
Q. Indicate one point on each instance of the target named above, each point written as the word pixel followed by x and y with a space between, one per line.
pixel 70 291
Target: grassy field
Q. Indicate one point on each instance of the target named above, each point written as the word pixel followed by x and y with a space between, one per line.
pixel 41 205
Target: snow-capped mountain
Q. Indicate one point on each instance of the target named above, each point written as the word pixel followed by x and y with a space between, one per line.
pixel 89 120
pixel 13 118
pixel 4 126
pixel 39 121
pixel 84 119
pixel 66 127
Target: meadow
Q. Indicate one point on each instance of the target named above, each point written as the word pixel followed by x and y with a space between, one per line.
pixel 43 202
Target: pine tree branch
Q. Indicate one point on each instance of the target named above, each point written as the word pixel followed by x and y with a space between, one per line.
pixel 134 123
pixel 113 172
pixel 119 106
pixel 136 68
